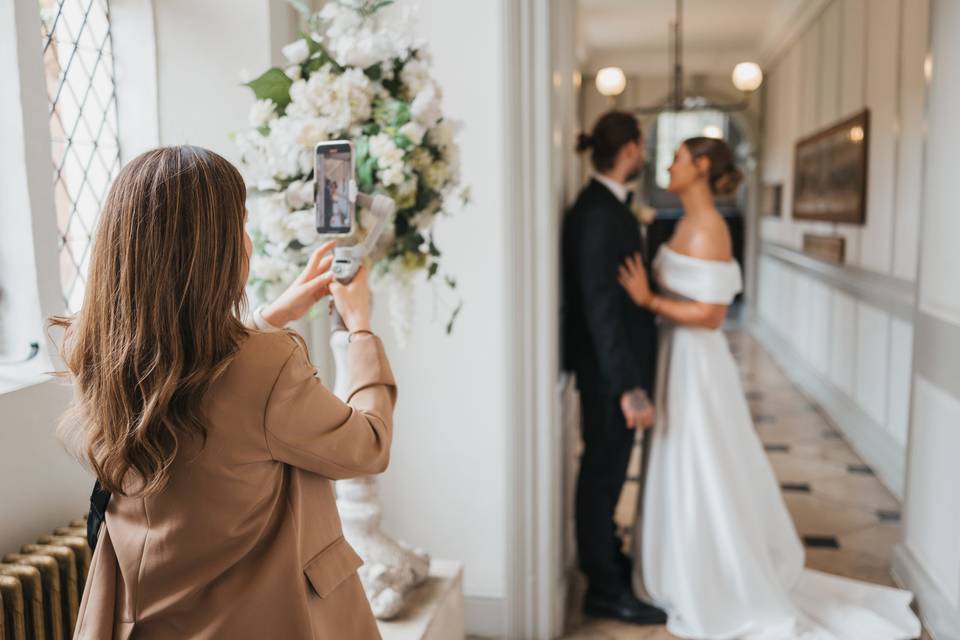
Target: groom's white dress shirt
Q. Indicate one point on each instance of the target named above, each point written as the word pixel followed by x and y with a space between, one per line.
pixel 618 189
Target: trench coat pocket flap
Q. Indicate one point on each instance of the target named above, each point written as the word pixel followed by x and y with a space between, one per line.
pixel 337 562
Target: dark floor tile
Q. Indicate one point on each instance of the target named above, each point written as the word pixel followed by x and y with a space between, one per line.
pixel 821 542
pixel 888 516
pixel 795 487
pixel 777 448
pixel 860 469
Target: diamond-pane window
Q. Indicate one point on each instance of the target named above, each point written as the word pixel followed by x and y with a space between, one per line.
pixel 78 62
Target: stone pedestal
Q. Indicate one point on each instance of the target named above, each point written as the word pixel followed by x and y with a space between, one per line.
pixel 434 610
pixel 391 569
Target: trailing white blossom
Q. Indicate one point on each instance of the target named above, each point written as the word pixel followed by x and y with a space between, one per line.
pixel 296 52
pixel 357 74
pixel 260 112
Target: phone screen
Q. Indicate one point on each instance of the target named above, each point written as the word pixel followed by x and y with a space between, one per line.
pixel 333 173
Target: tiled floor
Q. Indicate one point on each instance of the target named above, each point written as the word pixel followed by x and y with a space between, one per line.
pixel 848 520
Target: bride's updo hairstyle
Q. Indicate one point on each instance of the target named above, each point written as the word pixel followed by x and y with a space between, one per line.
pixel 613 130
pixel 724 176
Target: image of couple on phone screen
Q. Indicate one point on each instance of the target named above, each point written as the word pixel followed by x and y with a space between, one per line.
pixel 335 170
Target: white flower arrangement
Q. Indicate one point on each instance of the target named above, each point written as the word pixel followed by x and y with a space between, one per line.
pixel 356 74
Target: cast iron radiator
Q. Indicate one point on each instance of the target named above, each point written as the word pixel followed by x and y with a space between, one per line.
pixel 41 586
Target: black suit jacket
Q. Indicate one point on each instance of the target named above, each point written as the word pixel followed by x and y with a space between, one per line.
pixel 608 340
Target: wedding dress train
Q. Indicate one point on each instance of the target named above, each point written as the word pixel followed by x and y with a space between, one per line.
pixel 717 548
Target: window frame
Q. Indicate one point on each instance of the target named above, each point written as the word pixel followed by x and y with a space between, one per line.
pixel 30 286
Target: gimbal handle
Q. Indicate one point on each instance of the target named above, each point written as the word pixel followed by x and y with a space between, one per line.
pixel 348 260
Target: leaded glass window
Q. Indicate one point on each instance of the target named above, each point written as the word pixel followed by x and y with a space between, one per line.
pixel 79 67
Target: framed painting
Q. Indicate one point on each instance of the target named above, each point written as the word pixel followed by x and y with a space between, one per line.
pixel 830 173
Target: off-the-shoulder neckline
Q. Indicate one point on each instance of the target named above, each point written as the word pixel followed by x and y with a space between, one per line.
pixel 688 257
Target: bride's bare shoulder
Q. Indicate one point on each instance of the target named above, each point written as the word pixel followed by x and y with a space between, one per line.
pixel 708 239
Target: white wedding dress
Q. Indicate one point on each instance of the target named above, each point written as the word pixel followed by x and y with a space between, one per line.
pixel 716 546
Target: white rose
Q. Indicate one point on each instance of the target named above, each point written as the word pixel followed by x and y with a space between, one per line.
pixel 296 52
pixel 303 226
pixel 294 72
pixel 260 112
pixel 276 232
pixel 299 194
pixel 415 76
pixel 381 145
pixel 266 184
pixel 266 267
pixel 441 135
pixel 436 175
pixel 306 161
pixel 392 175
pixel 313 131
pixel 426 106
pixel 421 158
pixel 423 220
pixel 414 131
pixel 385 150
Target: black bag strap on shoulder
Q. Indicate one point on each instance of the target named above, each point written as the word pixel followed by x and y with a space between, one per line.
pixel 99 500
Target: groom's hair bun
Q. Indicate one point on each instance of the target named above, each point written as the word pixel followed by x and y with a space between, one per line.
pixel 724 176
pixel 584 142
pixel 613 130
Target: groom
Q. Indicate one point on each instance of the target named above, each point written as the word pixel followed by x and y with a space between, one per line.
pixel 610 343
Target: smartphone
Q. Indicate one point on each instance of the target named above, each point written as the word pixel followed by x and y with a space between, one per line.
pixel 333 175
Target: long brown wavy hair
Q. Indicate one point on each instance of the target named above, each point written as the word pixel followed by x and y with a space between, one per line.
pixel 161 315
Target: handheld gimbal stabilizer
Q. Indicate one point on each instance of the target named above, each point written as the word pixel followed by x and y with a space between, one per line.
pixel 347 260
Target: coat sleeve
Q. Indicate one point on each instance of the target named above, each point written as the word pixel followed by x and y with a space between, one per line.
pixel 605 303
pixel 307 426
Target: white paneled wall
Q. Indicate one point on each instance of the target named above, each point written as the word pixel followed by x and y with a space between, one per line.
pixel 860 356
pixel 855 54
pixel 929 559
pixel 881 93
pixel 914 42
pixel 843 332
pixel 873 339
pixel 900 365
pixel 933 523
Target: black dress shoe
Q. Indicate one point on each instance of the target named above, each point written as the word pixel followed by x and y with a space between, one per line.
pixel 623 606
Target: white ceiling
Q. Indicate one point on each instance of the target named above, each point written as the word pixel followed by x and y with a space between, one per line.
pixel 634 34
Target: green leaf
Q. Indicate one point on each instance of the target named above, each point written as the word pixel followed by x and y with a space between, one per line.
pixel 259 242
pixel 374 72
pixel 451 282
pixel 403 141
pixel 273 85
pixel 365 174
pixel 362 148
pixel 432 269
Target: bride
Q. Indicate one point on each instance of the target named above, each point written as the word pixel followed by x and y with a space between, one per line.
pixel 715 545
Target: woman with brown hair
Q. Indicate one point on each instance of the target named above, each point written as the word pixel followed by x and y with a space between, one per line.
pixel 718 550
pixel 216 439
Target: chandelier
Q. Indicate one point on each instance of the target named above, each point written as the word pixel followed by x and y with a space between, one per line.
pixel 746 77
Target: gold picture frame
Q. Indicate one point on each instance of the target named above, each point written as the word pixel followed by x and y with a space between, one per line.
pixel 830 173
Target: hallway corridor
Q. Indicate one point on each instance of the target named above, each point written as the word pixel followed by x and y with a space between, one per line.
pixel 848 520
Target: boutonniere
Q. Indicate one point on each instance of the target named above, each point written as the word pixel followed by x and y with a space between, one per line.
pixel 644 213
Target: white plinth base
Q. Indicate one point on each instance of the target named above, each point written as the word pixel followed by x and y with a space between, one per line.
pixel 434 610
